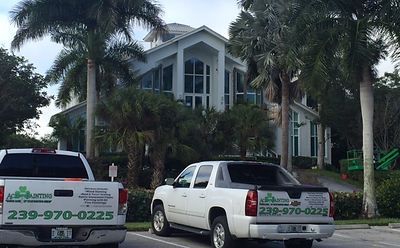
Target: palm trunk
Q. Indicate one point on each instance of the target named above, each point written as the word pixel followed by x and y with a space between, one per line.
pixel 134 162
pixel 159 167
pixel 367 111
pixel 321 141
pixel 90 107
pixel 285 118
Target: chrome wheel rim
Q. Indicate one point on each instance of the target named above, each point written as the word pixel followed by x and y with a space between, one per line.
pixel 158 221
pixel 219 235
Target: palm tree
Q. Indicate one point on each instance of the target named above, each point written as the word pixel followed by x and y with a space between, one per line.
pixel 252 132
pixel 64 128
pixel 131 118
pixel 261 32
pixel 361 32
pixel 62 19
pixel 113 67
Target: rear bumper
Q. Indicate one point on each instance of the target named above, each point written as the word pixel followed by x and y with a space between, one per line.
pixel 37 236
pixel 272 232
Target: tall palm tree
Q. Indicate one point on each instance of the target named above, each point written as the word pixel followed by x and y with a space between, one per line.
pixel 113 66
pixel 131 118
pixel 261 33
pixel 361 32
pixel 38 18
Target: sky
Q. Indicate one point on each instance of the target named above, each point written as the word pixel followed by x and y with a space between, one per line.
pixel 216 14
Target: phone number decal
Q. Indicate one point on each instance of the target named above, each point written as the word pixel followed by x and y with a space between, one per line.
pixel 274 211
pixel 60 215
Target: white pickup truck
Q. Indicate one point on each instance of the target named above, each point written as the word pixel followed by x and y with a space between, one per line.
pixel 231 201
pixel 50 198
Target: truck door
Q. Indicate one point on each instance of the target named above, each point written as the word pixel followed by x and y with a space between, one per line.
pixel 177 202
pixel 196 209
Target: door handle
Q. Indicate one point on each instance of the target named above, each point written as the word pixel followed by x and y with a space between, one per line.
pixel 184 195
pixel 202 196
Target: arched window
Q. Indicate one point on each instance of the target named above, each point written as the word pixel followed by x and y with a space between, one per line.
pixel 197 83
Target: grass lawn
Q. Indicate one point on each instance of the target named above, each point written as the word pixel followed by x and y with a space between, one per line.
pixel 138 226
pixel 371 222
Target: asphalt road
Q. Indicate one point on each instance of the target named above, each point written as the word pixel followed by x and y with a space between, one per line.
pixel 375 237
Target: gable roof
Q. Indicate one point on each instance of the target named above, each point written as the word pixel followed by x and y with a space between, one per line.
pixel 172 28
pixel 197 30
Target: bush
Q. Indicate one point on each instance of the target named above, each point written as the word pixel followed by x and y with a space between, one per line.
pixel 304 162
pixel 348 205
pixel 139 203
pixel 380 176
pixel 388 198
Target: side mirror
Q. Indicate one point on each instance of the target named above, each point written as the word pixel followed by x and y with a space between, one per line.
pixel 169 181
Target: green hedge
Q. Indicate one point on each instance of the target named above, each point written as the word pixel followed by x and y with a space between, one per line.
pixel 388 197
pixel 139 203
pixel 347 205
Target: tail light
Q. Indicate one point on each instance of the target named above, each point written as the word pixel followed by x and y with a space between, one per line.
pixel 1 198
pixel 251 203
pixel 332 205
pixel 43 150
pixel 122 201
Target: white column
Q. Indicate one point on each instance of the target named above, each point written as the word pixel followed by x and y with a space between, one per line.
pixel 180 65
pixel 220 104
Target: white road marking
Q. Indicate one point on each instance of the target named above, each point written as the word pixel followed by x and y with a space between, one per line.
pixel 159 240
pixel 390 244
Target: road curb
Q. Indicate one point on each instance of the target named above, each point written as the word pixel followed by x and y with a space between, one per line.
pixel 349 227
pixel 394 225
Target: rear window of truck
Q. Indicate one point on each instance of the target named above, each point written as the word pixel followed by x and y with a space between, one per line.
pixel 257 174
pixel 42 165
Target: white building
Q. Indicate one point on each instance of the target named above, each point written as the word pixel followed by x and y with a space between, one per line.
pixel 194 66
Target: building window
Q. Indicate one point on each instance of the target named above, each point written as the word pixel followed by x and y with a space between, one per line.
pixel 314 139
pixel 239 87
pixel 147 81
pixel 167 77
pixel 227 89
pixel 157 80
pixel 253 96
pixel 294 133
pixel 197 83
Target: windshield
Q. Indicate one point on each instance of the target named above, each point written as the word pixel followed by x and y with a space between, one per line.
pixel 42 165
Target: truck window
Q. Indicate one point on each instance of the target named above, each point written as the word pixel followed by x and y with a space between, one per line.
pixel 256 174
pixel 203 176
pixel 42 165
pixel 185 178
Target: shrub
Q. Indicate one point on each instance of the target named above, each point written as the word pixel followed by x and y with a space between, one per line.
pixel 304 162
pixel 139 203
pixel 347 205
pixel 388 197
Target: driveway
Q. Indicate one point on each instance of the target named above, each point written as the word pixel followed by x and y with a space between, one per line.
pixel 334 186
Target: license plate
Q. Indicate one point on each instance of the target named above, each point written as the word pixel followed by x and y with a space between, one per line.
pixel 61 233
pixel 292 228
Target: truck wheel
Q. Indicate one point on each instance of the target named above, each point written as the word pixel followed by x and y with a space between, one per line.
pixel 220 234
pixel 298 243
pixel 159 223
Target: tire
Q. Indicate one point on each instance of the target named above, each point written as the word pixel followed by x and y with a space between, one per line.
pixel 220 234
pixel 298 243
pixel 159 222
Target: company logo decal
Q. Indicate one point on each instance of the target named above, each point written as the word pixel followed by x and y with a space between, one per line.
pixel 274 201
pixel 23 195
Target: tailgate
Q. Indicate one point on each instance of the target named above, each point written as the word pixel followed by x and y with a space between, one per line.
pixel 288 204
pixel 41 202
